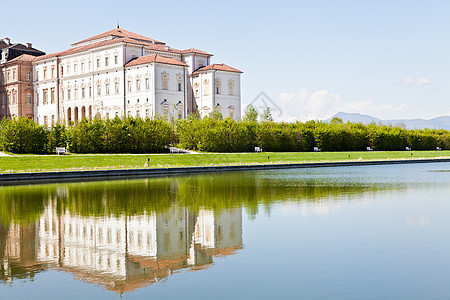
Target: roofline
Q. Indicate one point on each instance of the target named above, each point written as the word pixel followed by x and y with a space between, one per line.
pixel 114 35
pixel 196 53
pixel 58 55
pixel 154 62
pixel 15 60
pixel 197 72
pixel 178 63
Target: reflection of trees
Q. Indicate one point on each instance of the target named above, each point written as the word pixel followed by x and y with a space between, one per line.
pixel 23 205
pixel 108 198
pixel 253 190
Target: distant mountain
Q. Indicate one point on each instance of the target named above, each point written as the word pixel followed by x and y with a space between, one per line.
pixel 355 117
pixel 438 123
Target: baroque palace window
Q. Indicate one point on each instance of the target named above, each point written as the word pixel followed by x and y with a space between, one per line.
pixel 206 86
pixel 99 88
pixel 230 87
pixel 179 82
pixel 107 86
pixel 165 80
pixel 218 86
pixel 116 87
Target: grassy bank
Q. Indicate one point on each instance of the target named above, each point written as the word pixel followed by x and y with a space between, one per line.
pixel 39 163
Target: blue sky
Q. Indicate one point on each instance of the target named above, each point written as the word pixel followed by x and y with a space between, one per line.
pixel 389 59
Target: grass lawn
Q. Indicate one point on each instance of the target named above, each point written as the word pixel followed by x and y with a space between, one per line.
pixel 39 163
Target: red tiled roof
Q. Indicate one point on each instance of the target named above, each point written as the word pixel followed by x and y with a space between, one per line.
pixel 218 67
pixel 24 57
pixel 193 50
pixel 154 58
pixel 79 49
pixel 162 48
pixel 119 32
pixel 83 48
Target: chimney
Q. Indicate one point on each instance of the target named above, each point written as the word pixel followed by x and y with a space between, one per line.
pixel 7 41
pixel 29 45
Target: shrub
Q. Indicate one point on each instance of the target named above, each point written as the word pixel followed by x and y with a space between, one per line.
pixel 23 135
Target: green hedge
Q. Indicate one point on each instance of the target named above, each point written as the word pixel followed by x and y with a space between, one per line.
pixel 129 135
pixel 226 135
pixel 23 136
pixel 211 134
pixel 216 135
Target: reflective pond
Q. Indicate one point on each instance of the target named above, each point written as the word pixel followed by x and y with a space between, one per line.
pixel 365 232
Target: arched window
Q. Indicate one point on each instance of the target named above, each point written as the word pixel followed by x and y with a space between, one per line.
pixel 230 87
pixel 165 80
pixel 75 115
pixel 99 88
pixel 219 108
pixel 180 109
pixel 52 95
pixel 45 96
pixel 116 85
pixel 69 115
pixel 218 86
pixel 206 86
pixel 180 82
pixel 231 110
pixel 165 107
pixel 138 83
pixel 107 87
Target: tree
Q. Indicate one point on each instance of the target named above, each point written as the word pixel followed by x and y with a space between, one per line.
pixel 267 115
pixel 216 115
pixel 336 120
pixel 250 114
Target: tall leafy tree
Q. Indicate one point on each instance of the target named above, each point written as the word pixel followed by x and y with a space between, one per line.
pixel 267 115
pixel 250 114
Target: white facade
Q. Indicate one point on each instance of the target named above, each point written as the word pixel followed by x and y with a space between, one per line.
pixel 218 90
pixel 102 77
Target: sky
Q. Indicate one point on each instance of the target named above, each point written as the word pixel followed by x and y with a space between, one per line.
pixel 311 59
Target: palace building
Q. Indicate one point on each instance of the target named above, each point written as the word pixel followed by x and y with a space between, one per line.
pixel 16 84
pixel 117 73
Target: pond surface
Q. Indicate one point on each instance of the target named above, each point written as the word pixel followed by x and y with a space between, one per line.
pixel 367 232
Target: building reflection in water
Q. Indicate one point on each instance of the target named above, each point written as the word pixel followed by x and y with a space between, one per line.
pixel 121 253
pixel 127 234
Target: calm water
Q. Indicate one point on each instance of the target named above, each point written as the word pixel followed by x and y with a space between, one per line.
pixel 372 232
